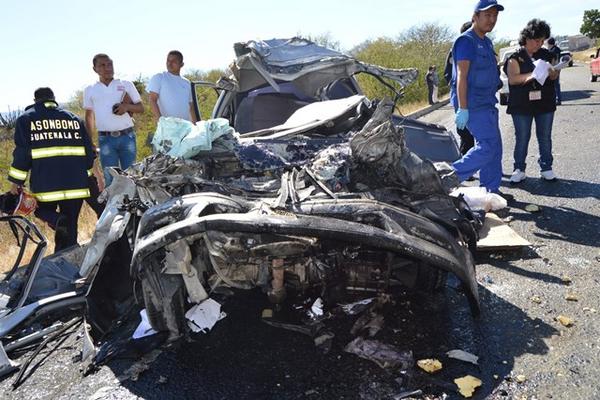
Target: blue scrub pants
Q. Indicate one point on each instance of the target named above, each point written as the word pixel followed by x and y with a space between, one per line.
pixel 486 155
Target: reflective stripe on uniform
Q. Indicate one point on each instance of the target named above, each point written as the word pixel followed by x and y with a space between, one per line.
pixel 17 173
pixel 90 172
pixel 63 195
pixel 46 152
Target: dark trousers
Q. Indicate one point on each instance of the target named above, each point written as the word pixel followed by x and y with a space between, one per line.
pixel 62 216
pixel 466 140
pixel 93 199
pixel 557 91
pixel 430 93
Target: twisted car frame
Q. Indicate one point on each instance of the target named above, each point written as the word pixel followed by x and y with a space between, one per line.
pixel 322 194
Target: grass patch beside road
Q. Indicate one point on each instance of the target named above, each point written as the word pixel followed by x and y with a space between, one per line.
pixel 584 55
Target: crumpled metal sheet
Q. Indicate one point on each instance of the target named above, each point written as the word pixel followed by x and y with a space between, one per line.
pixel 110 226
pixel 260 62
pixel 332 165
pixel 384 355
pixel 383 160
pixel 54 276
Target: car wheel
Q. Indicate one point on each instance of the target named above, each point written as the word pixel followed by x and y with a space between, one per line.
pixel 503 99
pixel 164 299
pixel 594 78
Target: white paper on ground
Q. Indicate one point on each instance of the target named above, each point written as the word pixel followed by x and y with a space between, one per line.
pixel 144 328
pixel 202 317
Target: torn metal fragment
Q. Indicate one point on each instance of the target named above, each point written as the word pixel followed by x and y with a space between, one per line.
pixel 463 356
pixel 384 355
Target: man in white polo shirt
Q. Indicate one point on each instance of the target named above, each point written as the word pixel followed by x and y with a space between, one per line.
pixel 108 106
pixel 170 93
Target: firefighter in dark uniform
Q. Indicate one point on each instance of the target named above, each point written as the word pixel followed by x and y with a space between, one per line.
pixel 53 147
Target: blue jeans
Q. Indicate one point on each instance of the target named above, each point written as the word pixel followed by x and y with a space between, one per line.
pixel 543 131
pixel 116 152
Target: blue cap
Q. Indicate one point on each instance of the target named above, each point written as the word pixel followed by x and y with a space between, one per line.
pixel 487 4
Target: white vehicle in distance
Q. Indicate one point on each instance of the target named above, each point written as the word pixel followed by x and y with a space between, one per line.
pixel 504 55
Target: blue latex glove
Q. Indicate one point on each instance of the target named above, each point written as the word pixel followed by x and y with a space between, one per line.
pixel 461 118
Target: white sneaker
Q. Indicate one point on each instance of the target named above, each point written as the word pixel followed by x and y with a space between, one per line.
pixel 548 175
pixel 518 176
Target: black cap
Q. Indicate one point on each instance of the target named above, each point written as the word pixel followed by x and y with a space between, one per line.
pixel 43 94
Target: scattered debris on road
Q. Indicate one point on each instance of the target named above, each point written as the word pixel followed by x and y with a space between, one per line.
pixel 571 297
pixel 565 321
pixel 467 385
pixel 384 355
pixel 430 365
pixel 520 378
pixel 532 208
pixel 463 356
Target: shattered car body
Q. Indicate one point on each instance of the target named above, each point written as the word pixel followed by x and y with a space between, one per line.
pixel 325 196
pixel 35 298
pixel 353 211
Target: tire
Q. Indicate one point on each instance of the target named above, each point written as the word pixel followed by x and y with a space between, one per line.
pixel 570 63
pixel 503 99
pixel 594 78
pixel 164 299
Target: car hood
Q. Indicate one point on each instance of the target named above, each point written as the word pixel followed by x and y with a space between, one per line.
pixel 276 60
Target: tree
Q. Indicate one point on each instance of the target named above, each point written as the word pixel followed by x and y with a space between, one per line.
pixel 591 23
pixel 431 38
pixel 501 43
pixel 418 47
pixel 207 97
pixel 8 120
pixel 325 39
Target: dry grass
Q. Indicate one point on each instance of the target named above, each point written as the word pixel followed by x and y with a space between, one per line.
pixel 409 108
pixel 584 55
pixel 8 247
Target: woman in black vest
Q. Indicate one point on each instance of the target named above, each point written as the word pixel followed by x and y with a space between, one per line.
pixel 532 97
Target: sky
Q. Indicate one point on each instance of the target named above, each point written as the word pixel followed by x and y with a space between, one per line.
pixel 51 43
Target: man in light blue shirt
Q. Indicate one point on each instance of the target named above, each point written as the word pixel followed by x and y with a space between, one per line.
pixel 170 93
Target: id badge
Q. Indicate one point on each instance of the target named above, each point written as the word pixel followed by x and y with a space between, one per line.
pixel 535 95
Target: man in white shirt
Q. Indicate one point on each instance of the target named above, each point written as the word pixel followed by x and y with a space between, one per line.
pixel 108 106
pixel 170 93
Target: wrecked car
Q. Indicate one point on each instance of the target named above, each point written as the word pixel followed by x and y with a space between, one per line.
pixel 314 191
pixel 300 186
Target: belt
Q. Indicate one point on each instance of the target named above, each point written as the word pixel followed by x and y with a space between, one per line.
pixel 116 133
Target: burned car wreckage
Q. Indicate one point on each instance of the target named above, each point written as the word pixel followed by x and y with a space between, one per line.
pixel 309 190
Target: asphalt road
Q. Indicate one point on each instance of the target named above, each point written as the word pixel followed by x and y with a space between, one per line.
pixel 523 351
